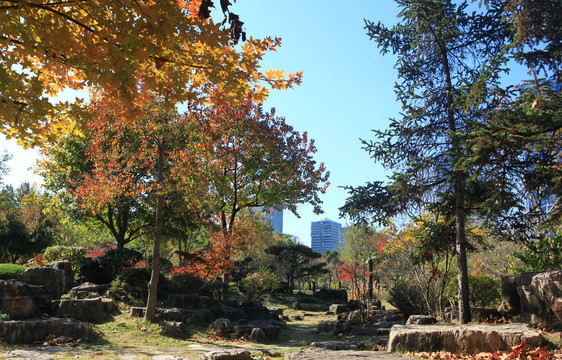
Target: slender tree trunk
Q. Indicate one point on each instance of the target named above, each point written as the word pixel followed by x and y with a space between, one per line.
pixel 460 179
pixel 464 306
pixel 371 279
pixel 153 284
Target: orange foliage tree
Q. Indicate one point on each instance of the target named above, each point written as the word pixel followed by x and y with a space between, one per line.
pixel 256 160
pixel 127 49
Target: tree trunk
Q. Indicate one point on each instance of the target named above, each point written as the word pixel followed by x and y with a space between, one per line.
pixel 153 284
pixel 371 266
pixel 464 305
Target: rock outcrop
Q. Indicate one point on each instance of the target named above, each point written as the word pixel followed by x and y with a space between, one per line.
pixel 32 330
pixel 21 300
pixel 53 279
pixel 462 339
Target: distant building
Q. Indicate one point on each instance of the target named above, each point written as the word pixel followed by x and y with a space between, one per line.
pixel 275 217
pixel 326 235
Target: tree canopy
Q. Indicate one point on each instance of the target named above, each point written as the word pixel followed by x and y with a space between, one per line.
pixel 128 50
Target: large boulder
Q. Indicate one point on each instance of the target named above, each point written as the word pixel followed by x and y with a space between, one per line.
pixel 338 345
pixel 52 278
pixel 88 288
pixel 332 295
pixel 66 267
pixel 236 354
pixel 94 310
pixel 20 300
pixel 547 287
pixel 509 285
pixel 462 339
pixel 340 355
pixel 32 330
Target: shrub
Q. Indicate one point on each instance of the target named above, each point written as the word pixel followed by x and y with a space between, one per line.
pixel 407 298
pixel 74 254
pixel 109 264
pixel 11 271
pixel 186 283
pixel 483 291
pixel 258 283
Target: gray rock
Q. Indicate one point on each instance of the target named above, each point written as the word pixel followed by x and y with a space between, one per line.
pixel 421 320
pixel 29 331
pixel 80 309
pixel 89 287
pixel 226 355
pixel 21 300
pixel 547 286
pixel 52 278
pixel 187 301
pixel 338 308
pixel 24 354
pixel 176 330
pixel 340 355
pixel 339 345
pixel 461 338
pixel 222 326
pixel 66 267
pixel 257 335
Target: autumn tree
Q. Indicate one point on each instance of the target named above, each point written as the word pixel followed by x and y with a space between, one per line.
pixel 66 165
pixel 128 50
pixel 256 160
pixel 441 50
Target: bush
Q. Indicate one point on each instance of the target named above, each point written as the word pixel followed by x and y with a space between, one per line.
pixel 11 271
pixel 186 284
pixel 258 283
pixel 107 267
pixel 74 254
pixel 407 298
pixel 483 291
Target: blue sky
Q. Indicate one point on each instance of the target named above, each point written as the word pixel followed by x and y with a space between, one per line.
pixel 347 89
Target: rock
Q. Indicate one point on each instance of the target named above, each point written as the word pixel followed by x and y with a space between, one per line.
pixel 257 335
pixel 326 327
pixel 24 354
pixel 89 287
pixel 256 311
pixel 229 312
pixel 332 295
pixel 342 327
pixel 296 305
pixel 366 331
pixel 462 339
pixel 547 287
pixel 338 308
pixel 298 317
pixel 226 355
pixel 186 301
pixel 340 355
pixel 29 331
pixel 52 278
pixel 338 345
pixel 421 320
pixel 175 330
pixel 482 313
pixel 137 311
pixel 21 300
pixel 80 309
pixel 66 267
pixel 222 326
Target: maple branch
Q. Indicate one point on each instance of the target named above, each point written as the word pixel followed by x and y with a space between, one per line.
pixel 50 9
